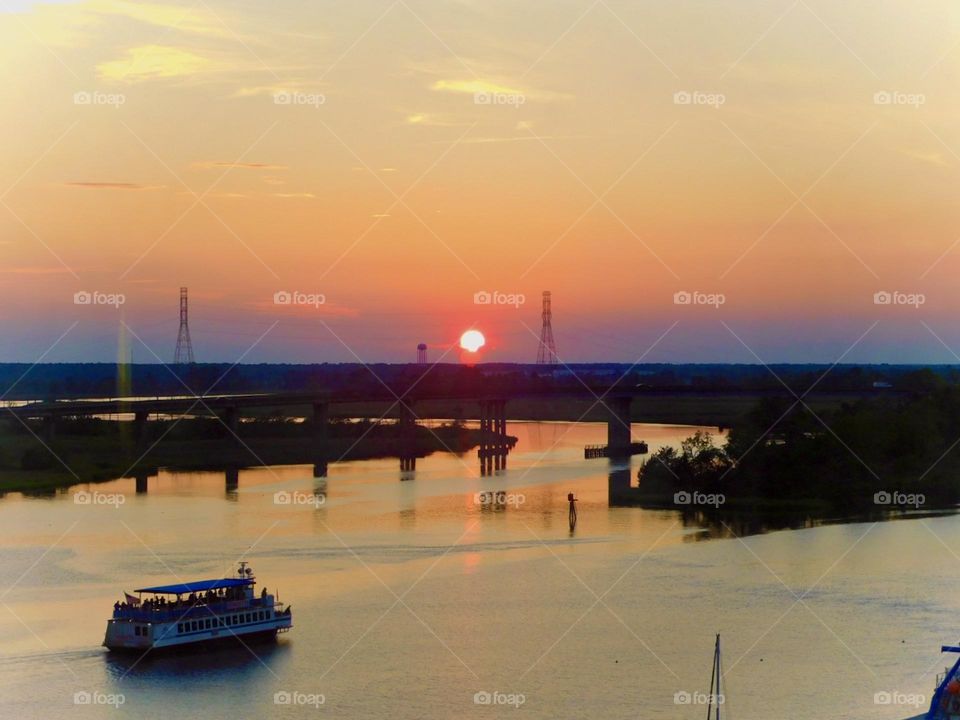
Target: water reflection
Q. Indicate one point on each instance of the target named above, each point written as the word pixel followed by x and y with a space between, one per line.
pixel 228 659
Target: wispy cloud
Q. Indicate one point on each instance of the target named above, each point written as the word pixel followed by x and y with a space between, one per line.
pixel 35 270
pixel 480 86
pixel 152 62
pixel 293 195
pixel 189 18
pixel 207 164
pixel 931 158
pixel 429 119
pixel 475 86
pixel 113 185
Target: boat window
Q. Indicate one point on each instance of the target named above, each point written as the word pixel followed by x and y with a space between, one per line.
pixel 206 624
pixel 179 628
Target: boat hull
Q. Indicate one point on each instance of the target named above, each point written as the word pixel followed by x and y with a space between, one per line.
pixel 139 636
pixel 264 637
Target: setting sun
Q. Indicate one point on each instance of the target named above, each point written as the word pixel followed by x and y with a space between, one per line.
pixel 472 340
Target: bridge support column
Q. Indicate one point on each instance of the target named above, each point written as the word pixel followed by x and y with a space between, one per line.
pixel 49 428
pixel 484 421
pixel 141 481
pixel 618 483
pixel 408 425
pixel 618 425
pixel 321 422
pixel 493 430
pixel 140 427
pixel 502 420
pixel 231 418
pixel 232 479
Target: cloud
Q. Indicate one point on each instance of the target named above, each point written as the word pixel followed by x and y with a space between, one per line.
pixel 207 164
pixel 113 185
pixel 172 17
pixel 932 158
pixel 487 87
pixel 293 195
pixel 327 309
pixel 35 270
pixel 151 62
pixel 474 86
pixel 224 195
pixel 426 119
pixel 514 138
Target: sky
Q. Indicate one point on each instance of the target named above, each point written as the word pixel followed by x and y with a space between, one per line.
pixel 759 181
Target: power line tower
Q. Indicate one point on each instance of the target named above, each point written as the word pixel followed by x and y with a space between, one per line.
pixel 184 352
pixel 547 352
pixel 421 354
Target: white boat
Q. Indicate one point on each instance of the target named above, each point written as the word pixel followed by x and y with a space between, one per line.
pixel 202 611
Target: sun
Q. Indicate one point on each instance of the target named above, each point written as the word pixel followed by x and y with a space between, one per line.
pixel 472 340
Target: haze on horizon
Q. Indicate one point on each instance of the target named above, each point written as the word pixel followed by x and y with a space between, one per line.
pixel 397 157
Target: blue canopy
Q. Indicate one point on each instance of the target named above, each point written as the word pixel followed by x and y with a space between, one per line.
pixel 197 586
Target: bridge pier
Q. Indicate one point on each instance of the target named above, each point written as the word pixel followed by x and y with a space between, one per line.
pixel 321 421
pixel 231 418
pixel 231 479
pixel 493 430
pixel 141 482
pixel 618 482
pixel 407 426
pixel 49 428
pixel 140 427
pixel 618 425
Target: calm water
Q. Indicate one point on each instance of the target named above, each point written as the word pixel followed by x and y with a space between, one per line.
pixel 409 597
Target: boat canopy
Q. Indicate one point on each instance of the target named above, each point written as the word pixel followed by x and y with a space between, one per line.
pixel 197 586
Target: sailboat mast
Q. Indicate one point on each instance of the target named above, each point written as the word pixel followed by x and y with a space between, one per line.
pixel 714 697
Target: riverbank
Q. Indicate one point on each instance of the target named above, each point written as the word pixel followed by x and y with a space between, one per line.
pixel 875 455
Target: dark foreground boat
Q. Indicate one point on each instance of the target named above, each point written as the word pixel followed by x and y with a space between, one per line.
pixel 199 612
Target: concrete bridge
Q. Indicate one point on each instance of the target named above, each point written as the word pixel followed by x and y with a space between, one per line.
pixel 493 411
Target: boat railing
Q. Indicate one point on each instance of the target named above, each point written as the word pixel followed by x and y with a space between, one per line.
pixel 170 612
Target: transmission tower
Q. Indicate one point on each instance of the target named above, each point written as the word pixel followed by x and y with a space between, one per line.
pixel 547 352
pixel 184 352
pixel 421 354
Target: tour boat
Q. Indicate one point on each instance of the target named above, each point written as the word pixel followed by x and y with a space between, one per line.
pixel 945 704
pixel 202 611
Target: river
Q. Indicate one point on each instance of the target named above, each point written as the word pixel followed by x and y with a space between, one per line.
pixel 411 599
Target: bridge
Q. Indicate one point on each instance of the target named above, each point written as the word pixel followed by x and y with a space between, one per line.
pixel 318 406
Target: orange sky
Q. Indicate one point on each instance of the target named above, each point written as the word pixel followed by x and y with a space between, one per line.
pixel 396 158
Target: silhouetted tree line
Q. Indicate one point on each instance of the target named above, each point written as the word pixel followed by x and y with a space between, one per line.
pixel 783 451
pixel 62 380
